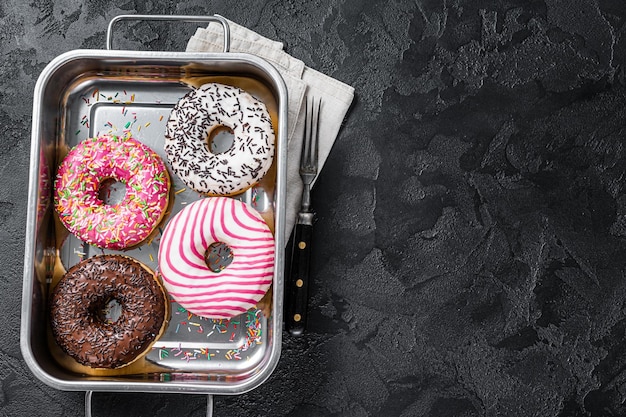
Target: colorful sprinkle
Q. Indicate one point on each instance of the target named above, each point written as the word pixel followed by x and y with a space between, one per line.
pixel 252 336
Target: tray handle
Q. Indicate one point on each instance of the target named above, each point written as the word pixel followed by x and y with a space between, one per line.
pixel 178 18
pixel 89 394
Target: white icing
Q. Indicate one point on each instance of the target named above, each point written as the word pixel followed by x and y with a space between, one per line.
pixel 186 140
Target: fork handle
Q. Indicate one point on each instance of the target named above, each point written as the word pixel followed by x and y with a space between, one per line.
pixel 298 283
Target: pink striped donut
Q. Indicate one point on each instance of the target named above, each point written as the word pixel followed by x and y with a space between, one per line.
pixel 188 278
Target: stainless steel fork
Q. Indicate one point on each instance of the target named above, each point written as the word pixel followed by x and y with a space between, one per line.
pixel 298 278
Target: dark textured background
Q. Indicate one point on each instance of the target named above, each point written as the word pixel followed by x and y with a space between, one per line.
pixel 471 241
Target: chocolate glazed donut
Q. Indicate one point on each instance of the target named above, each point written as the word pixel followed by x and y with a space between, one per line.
pixel 77 307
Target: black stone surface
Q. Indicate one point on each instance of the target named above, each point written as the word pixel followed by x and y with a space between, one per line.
pixel 471 241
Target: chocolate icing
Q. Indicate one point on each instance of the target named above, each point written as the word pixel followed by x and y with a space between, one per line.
pixel 76 308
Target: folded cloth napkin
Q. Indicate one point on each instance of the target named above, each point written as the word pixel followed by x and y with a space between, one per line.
pixel 300 81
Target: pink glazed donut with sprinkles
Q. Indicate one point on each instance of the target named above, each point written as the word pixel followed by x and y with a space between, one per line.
pixel 122 159
pixel 184 261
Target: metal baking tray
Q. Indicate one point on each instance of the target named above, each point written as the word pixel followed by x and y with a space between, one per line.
pixel 86 92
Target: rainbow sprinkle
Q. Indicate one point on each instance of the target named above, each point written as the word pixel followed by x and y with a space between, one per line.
pixel 216 327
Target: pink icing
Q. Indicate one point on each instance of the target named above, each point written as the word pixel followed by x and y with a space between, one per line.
pixel 191 282
pixel 125 160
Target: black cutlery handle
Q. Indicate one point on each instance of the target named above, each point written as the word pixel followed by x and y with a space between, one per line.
pixel 298 280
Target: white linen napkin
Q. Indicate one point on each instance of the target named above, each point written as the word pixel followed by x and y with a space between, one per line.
pixel 300 81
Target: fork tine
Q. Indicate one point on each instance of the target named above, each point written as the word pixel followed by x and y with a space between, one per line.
pixel 307 136
pixel 315 138
pixel 310 146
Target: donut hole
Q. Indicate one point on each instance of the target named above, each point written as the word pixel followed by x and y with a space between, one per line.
pixel 221 139
pixel 218 256
pixel 108 310
pixel 111 191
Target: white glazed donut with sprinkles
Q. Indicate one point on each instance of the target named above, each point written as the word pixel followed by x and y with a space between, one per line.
pixel 191 123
